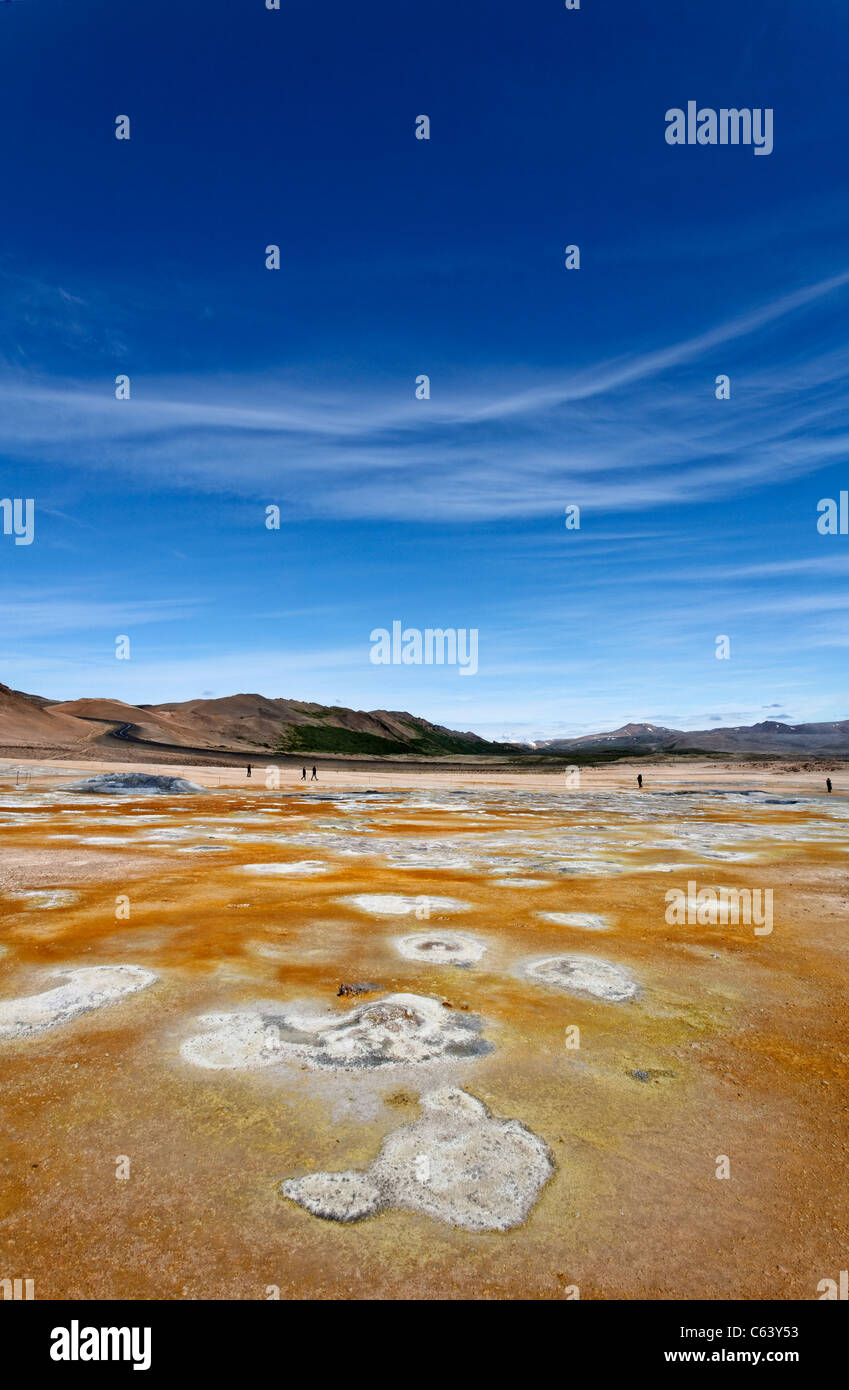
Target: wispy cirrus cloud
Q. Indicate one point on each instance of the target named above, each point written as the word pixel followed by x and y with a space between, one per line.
pixel 641 431
pixel 52 613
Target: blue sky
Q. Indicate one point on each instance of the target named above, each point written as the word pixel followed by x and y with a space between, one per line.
pixel 549 387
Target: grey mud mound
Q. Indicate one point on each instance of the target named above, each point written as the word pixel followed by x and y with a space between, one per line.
pixel 441 947
pixel 583 975
pixel 136 784
pixel 402 1028
pixel 91 987
pixel 458 1164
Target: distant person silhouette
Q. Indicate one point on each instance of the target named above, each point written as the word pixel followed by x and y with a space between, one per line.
pixel 249 769
pixel 640 780
pixel 303 774
pixel 314 777
pixel 828 784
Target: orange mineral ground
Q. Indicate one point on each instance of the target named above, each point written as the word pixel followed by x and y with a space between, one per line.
pixel 151 1115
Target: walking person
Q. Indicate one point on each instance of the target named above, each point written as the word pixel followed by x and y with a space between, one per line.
pixel 314 777
pixel 303 774
pixel 640 780
pixel 249 769
pixel 828 784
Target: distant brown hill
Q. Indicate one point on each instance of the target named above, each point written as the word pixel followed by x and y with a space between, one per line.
pixel 770 737
pixel 262 725
pixel 248 723
pixel 29 721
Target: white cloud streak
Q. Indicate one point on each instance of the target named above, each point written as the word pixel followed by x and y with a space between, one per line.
pixel 640 431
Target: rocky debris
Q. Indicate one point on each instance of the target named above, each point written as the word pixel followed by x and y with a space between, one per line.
pixel 136 784
pixel 457 1163
pixel 583 975
pixel 91 987
pixel 650 1074
pixel 402 1028
pixel 399 1098
pixel 357 987
pixel 441 947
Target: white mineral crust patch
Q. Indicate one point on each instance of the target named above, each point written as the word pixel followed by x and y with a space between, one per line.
pixel 45 898
pixel 91 987
pixel 303 868
pixel 584 975
pixel 402 1028
pixel 585 921
pixel 108 840
pixel 715 910
pixel 457 1163
pixel 441 947
pixel 268 950
pixel 521 882
pixel 400 904
pixel 602 867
